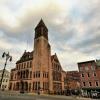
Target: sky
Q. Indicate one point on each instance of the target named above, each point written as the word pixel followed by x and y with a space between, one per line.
pixel 74 29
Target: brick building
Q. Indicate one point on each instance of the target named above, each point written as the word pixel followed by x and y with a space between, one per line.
pixel 38 71
pixel 73 80
pixel 89 76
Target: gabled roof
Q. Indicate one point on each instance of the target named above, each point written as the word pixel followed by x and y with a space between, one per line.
pixel 25 57
pixel 54 57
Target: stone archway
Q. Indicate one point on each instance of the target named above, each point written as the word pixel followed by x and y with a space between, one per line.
pixel 26 86
pixel 21 87
pixel 17 86
pixel 29 87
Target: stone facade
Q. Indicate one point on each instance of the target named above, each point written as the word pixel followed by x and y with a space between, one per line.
pixel 5 81
pixel 38 71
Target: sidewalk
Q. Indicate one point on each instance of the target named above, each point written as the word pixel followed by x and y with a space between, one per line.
pixel 82 98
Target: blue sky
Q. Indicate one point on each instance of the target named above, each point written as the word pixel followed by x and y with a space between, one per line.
pixel 74 29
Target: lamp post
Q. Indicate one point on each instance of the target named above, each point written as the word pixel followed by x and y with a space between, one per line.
pixel 8 57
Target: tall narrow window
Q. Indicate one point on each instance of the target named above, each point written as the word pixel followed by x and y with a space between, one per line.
pixel 19 66
pixel 47 74
pixel 29 86
pixel 10 87
pixel 52 65
pixel 30 74
pixel 30 64
pixel 97 84
pixel 90 84
pixel 33 85
pixel 88 74
pixel 34 74
pixel 43 85
pixel 94 74
pixel 38 85
pixel 22 65
pixel 82 75
pixel 27 64
pixel 84 84
pixel 43 75
pixel 38 73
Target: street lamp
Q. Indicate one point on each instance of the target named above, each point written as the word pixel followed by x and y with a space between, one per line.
pixel 8 57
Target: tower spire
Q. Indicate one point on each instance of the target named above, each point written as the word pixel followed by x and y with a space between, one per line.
pixel 41 30
pixel 41 24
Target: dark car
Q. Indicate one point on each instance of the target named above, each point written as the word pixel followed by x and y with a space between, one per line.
pixel 95 94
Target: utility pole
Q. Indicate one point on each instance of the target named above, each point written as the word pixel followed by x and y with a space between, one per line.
pixel 8 57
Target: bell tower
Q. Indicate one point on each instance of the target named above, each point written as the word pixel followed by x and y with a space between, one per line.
pixel 41 45
pixel 41 30
pixel 42 56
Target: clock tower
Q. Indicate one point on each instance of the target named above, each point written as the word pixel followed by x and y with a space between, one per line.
pixel 42 57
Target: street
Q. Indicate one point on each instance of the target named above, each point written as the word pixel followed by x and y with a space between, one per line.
pixel 18 96
pixel 31 98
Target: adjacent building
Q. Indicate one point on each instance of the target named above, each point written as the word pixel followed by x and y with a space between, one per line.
pixel 5 81
pixel 38 71
pixel 89 76
pixel 73 80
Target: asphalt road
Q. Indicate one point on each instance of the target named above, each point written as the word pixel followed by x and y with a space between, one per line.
pixel 36 97
pixel 16 96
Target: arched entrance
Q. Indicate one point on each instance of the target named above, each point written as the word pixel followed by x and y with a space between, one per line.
pixel 26 86
pixel 21 87
pixel 17 86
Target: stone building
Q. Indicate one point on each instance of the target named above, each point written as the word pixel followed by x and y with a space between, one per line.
pixel 5 81
pixel 38 71
pixel 89 76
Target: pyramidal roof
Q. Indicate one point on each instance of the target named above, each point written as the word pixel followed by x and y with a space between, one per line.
pixel 41 24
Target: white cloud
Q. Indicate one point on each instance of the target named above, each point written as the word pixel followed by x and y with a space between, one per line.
pixel 72 24
pixel 69 56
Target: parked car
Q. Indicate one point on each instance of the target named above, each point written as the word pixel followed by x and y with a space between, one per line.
pixel 95 94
